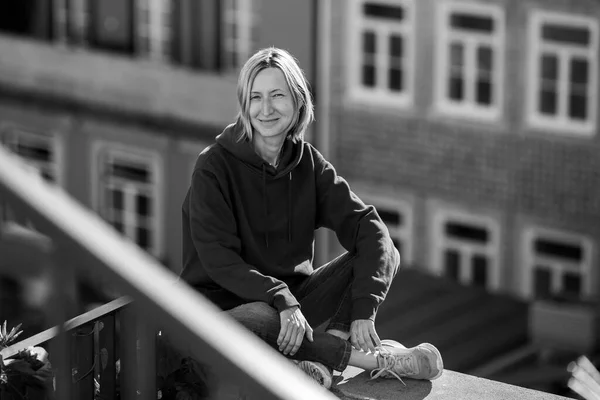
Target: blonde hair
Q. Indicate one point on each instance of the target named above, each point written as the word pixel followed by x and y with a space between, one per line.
pixel 273 57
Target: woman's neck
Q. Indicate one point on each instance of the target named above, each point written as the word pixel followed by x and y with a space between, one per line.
pixel 269 149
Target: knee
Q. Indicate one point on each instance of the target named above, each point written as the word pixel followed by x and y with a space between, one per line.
pixel 255 316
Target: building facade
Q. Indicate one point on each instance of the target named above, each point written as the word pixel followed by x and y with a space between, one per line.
pixel 472 126
pixel 112 100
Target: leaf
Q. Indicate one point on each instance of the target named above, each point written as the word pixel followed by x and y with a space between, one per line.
pixel 14 333
pixel 3 329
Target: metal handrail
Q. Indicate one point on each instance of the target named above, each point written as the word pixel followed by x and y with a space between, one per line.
pixel 195 325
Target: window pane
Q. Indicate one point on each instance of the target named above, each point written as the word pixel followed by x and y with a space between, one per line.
pixel 549 67
pixel 390 217
pixel 479 273
pixel 368 75
pixel 455 89
pixel 369 43
pixel 33 152
pixel 396 46
pixel 484 58
pixel 471 22
pixel 118 225
pixel 143 238
pixel 484 92
pixel 548 102
pixel 384 11
pixel 456 55
pixel 130 172
pixel 395 79
pixel 143 205
pixel 579 71
pixel 542 280
pixel 572 284
pixel 553 248
pixel 566 34
pixel 578 106
pixel 115 200
pixel 452 264
pixel 466 232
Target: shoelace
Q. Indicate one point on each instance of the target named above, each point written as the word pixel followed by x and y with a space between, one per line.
pixel 388 361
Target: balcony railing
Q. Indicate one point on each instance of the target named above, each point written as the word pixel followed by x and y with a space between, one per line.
pixel 81 245
pixel 70 242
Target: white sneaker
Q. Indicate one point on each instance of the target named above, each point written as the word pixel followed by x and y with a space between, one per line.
pixel 420 362
pixel 317 371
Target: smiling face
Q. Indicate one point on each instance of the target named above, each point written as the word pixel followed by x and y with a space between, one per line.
pixel 271 104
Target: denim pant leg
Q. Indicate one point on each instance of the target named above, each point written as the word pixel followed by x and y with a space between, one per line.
pixel 263 320
pixel 326 294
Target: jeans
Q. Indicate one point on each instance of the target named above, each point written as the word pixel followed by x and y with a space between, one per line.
pixel 325 295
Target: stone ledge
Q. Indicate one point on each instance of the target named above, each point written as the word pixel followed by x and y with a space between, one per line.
pixel 354 384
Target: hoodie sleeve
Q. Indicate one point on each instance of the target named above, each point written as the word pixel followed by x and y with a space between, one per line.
pixel 361 231
pixel 213 229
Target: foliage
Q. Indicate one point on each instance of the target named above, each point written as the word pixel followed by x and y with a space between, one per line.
pixel 28 374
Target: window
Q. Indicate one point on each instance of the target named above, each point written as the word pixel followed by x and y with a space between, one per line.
pixel 154 28
pixel 127 194
pixel 471 67
pixel 466 248
pixel 41 152
pixel 71 21
pixel 381 54
pixel 558 264
pixel 238 32
pixel 563 73
pixel 398 217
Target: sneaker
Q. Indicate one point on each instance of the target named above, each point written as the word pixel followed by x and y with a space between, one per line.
pixel 420 362
pixel 317 371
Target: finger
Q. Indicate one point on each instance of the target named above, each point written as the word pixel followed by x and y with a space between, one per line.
pixel 309 332
pixel 282 332
pixel 354 340
pixel 375 338
pixel 297 342
pixel 288 341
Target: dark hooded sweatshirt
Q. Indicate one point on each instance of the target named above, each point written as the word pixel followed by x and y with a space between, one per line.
pixel 249 228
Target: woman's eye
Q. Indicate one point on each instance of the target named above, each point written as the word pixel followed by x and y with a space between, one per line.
pixel 254 98
pixel 278 95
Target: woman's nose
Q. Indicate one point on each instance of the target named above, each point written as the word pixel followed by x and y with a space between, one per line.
pixel 267 107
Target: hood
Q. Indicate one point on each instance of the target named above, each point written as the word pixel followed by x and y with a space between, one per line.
pixel 244 152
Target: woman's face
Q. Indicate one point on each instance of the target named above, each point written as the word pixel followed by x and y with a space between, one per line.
pixel 271 103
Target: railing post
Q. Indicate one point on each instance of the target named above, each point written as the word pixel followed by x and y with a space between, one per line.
pixel 59 309
pixel 107 356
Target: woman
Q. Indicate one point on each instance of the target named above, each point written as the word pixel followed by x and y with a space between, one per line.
pixel 249 218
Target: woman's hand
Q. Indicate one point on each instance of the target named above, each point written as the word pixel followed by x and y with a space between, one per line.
pixel 363 335
pixel 293 328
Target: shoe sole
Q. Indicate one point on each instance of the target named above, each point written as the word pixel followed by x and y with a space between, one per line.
pixel 309 367
pixel 428 346
pixel 440 363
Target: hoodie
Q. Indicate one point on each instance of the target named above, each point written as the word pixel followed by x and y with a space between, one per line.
pixel 249 228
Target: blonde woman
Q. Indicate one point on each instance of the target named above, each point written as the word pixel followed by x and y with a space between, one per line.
pixel 256 197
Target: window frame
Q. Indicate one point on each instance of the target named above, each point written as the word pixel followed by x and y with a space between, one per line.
pixel 496 41
pixel 153 37
pixel 357 23
pixel 529 260
pixel 440 243
pixel 403 233
pixel 104 150
pixel 56 142
pixel 245 19
pixel 561 121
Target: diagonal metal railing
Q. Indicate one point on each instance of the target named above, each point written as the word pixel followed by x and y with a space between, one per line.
pixel 83 245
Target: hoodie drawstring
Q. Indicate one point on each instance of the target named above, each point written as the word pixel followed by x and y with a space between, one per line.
pixel 290 209
pixel 264 176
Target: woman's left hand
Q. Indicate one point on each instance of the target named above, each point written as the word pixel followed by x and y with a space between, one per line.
pixel 363 335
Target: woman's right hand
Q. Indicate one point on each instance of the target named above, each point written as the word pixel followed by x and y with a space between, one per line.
pixel 293 328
